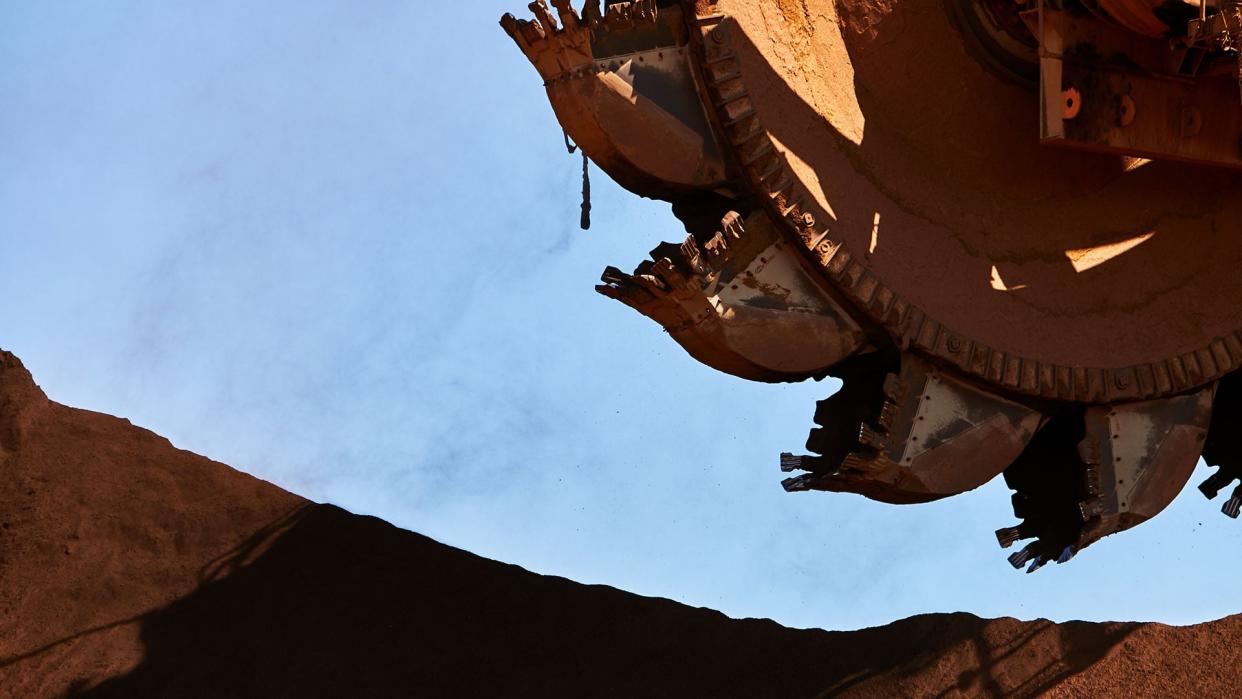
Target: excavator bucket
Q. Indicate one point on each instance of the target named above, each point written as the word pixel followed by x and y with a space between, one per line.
pixel 1011 229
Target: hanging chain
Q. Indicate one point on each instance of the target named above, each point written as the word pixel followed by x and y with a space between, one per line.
pixel 585 219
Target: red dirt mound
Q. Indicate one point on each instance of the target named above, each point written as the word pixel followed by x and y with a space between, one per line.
pixel 130 568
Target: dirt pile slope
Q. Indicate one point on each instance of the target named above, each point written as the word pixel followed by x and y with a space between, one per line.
pixel 130 568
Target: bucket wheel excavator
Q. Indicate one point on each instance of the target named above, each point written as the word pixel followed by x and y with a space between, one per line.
pixel 1012 228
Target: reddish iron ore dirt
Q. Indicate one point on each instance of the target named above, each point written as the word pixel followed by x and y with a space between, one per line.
pixel 130 568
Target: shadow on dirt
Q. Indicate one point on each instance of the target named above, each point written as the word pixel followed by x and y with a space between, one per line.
pixel 326 603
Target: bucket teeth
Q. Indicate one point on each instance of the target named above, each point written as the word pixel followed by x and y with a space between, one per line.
pixel 732 226
pixel 612 275
pixel 795 462
pixel 590 13
pixel 675 253
pixel 1092 471
pixel 1020 558
pixel 899 429
pixel 845 417
pixel 888 413
pixel 1220 480
pixel 540 9
pixel 569 16
pixel 631 13
pixel 692 257
pixel 1090 509
pixel 1233 506
pixel 665 287
pixel 872 438
pixel 1223 446
pixel 798 484
pixel 1214 484
pixel 1050 483
pixel 1006 536
pixel 1091 479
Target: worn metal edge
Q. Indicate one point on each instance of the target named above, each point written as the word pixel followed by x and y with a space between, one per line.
pixel 768 174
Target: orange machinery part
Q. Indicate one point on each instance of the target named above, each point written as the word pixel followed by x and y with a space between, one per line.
pixel 1138 16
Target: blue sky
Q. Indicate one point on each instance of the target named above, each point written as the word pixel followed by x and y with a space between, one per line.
pixel 335 245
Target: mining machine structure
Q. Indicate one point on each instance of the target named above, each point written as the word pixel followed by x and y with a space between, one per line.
pixel 1013 229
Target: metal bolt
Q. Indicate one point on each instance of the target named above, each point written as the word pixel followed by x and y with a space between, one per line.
pixel 1071 103
pixel 1126 109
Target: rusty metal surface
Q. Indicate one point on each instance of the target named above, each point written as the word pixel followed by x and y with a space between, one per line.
pixel 1101 471
pixel 926 436
pixel 1137 108
pixel 1046 335
pixel 741 303
pixel 630 102
pixel 991 305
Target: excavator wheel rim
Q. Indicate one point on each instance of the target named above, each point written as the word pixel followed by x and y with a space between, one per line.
pixel 786 198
